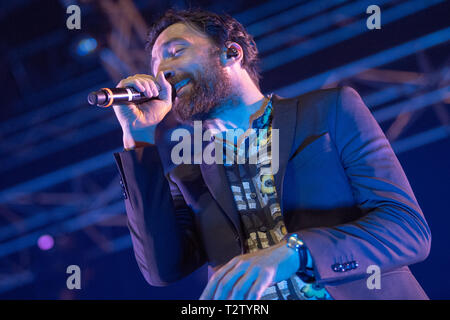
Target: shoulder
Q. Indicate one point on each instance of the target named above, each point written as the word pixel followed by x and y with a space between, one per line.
pixel 320 99
pixel 321 103
pixel 320 110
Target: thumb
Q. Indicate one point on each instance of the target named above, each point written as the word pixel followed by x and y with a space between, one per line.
pixel 166 89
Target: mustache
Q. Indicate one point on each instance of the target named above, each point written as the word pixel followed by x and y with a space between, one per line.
pixel 179 77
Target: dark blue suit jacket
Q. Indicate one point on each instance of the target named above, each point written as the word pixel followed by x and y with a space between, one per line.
pixel 340 186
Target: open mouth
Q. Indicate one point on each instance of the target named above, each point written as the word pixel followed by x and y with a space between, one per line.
pixel 181 84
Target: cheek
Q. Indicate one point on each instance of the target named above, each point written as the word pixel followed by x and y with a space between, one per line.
pixel 193 64
pixel 185 65
pixel 202 60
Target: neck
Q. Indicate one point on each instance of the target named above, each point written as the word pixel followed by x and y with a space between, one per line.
pixel 240 110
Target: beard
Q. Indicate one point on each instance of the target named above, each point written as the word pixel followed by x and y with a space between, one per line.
pixel 210 88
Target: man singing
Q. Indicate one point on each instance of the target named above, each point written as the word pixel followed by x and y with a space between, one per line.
pixel 324 210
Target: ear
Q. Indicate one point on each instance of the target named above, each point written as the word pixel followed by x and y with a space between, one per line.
pixel 231 54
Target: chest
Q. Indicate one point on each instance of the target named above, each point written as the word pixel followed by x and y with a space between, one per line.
pixel 313 179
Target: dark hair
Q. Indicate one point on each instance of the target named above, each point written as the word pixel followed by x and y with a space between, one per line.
pixel 220 28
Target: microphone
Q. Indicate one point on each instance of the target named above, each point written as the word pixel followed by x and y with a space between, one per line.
pixel 105 97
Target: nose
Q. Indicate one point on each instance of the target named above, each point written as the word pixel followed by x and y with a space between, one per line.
pixel 169 74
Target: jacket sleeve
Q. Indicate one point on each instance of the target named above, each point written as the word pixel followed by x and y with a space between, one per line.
pixel 393 231
pixel 162 227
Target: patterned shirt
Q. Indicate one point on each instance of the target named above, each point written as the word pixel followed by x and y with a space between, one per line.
pixel 253 187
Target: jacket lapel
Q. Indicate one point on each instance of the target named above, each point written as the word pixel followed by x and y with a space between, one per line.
pixel 215 178
pixel 284 120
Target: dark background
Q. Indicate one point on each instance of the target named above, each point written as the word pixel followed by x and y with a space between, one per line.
pixel 58 178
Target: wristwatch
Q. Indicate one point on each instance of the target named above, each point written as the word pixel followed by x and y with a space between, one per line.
pixel 294 242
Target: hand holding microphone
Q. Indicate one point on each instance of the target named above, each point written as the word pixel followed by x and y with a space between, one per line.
pixel 106 97
pixel 138 119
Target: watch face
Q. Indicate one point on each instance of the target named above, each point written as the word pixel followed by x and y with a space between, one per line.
pixel 292 242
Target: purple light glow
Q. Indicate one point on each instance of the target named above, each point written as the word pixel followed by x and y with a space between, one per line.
pixel 45 242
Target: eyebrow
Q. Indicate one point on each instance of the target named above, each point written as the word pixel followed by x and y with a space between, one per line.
pixel 170 41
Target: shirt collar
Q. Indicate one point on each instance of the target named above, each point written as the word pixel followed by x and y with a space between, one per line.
pixel 264 120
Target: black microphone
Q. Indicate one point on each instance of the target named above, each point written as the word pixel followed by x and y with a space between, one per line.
pixel 105 97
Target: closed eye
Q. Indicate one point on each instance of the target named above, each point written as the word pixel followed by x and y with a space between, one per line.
pixel 178 52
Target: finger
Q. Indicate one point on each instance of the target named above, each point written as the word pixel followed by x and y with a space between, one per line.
pixel 263 281
pixel 154 88
pixel 136 84
pixel 143 75
pixel 257 289
pixel 120 84
pixel 243 285
pixel 148 91
pixel 210 288
pixel 166 89
pixel 226 284
pixel 150 79
pixel 208 292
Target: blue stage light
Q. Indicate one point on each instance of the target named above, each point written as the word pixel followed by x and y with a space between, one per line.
pixel 86 46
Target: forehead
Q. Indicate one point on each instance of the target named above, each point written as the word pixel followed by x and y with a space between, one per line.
pixel 179 31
